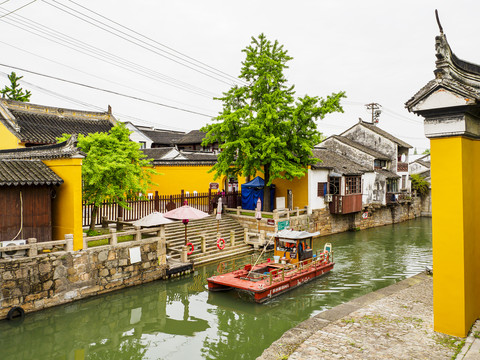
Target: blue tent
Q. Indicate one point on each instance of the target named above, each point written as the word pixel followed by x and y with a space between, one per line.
pixel 253 190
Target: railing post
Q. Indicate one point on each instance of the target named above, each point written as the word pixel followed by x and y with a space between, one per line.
pixel 275 214
pixel 262 237
pixel 204 244
pixel 238 210
pixel 161 232
pixel 232 238
pixel 113 237
pixel 69 242
pixel 104 222
pixel 182 197
pixel 156 202
pixel 138 234
pixel 85 242
pixel 297 211
pixel 119 223
pixel 183 255
pixel 245 235
pixel 210 205
pixel 33 250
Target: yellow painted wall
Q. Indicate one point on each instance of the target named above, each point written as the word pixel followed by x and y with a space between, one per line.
pixel 455 174
pixel 174 179
pixel 299 187
pixel 67 205
pixel 8 140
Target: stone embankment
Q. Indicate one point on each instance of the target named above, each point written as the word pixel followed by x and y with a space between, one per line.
pixel 395 322
pixel 56 278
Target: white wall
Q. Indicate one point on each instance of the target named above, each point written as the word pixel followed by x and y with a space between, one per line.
pixel 368 187
pixel 138 136
pixel 314 177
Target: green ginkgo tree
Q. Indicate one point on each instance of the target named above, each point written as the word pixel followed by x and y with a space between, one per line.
pixel 114 169
pixel 263 127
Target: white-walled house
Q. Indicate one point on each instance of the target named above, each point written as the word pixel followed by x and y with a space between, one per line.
pixel 336 182
pixel 138 136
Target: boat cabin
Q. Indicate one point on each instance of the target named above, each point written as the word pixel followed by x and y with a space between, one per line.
pixel 292 247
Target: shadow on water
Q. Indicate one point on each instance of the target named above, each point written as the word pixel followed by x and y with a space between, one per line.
pixel 180 319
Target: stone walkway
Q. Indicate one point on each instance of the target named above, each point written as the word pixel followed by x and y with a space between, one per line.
pixel 392 323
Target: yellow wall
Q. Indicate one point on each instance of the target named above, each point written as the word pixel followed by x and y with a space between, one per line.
pixel 299 187
pixel 455 174
pixel 174 179
pixel 67 205
pixel 8 140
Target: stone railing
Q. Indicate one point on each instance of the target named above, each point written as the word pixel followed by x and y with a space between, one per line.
pixel 137 232
pixel 33 248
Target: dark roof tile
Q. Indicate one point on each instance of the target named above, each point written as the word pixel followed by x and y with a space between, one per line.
pixel 26 172
pixel 336 162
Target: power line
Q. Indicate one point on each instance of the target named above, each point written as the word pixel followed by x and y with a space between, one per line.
pixel 99 54
pixel 123 37
pixel 107 91
pixel 21 7
pixel 95 76
pixel 165 46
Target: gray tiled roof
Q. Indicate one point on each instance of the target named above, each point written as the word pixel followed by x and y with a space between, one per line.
pixel 193 137
pixel 157 153
pixel 388 174
pixel 66 149
pixel 199 155
pixel 36 124
pixel 26 172
pixel 336 162
pixel 162 137
pixel 385 134
pixel 363 148
pixel 424 163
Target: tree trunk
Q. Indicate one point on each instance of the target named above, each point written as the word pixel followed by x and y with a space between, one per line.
pixel 93 217
pixel 266 189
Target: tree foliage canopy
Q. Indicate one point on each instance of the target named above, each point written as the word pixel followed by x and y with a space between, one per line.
pixel 114 169
pixel 262 127
pixel 420 184
pixel 14 91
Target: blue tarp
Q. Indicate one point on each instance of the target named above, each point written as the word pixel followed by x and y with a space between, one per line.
pixel 253 190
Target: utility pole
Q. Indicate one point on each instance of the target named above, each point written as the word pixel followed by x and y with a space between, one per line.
pixel 375 108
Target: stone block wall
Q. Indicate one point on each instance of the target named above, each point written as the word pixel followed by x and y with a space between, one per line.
pixel 378 215
pixel 60 277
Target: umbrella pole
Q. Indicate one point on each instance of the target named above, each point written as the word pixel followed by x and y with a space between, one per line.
pixel 185 234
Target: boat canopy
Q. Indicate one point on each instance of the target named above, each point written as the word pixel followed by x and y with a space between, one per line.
pixel 294 235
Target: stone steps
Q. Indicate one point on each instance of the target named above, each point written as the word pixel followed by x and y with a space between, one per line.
pixel 175 235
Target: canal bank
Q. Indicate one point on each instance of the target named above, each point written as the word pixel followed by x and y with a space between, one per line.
pixel 395 322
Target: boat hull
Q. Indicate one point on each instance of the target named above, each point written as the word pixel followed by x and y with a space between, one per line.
pixel 271 285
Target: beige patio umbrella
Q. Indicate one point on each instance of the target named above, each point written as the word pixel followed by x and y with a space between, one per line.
pixel 185 213
pixel 153 219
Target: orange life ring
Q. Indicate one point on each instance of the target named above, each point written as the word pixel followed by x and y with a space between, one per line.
pixel 221 243
pixel 191 251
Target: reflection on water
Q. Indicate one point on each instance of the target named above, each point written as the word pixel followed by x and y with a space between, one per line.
pixel 180 319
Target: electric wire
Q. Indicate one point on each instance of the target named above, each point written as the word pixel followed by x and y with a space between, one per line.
pixel 102 55
pixel 21 7
pixel 106 90
pixel 125 38
pixel 163 45
pixel 98 77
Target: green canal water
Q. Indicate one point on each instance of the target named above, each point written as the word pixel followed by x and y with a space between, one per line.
pixel 180 319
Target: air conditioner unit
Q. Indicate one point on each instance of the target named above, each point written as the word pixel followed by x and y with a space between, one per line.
pixel 14 253
pixel 328 197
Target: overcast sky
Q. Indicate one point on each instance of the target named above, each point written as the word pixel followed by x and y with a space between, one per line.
pixel 373 50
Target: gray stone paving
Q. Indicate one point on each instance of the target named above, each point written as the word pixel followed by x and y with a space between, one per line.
pixel 392 323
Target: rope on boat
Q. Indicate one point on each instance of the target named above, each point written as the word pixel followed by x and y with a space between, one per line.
pixel 259 256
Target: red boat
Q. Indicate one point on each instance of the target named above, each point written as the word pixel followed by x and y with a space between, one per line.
pixel 294 265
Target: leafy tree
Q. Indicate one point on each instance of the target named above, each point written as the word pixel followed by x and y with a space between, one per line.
pixel 262 128
pixel 426 152
pixel 14 91
pixel 114 168
pixel 420 184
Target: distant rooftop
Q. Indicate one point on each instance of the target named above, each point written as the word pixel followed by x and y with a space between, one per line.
pixel 37 124
pixel 27 172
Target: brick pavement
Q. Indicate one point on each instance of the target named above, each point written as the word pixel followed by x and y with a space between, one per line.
pixel 392 323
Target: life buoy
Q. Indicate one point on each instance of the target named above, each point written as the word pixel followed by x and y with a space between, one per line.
pixel 16 312
pixel 221 243
pixel 191 251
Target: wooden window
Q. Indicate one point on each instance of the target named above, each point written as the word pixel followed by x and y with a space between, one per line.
pixel 334 185
pixel 321 189
pixel 353 185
